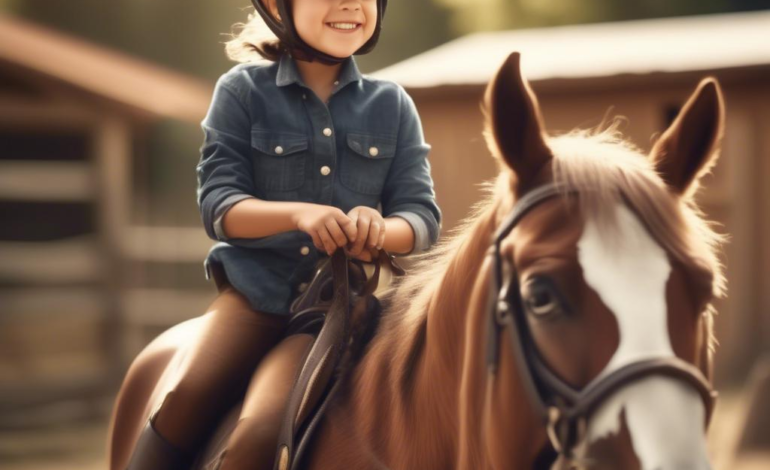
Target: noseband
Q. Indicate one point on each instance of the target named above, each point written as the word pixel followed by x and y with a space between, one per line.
pixel 564 410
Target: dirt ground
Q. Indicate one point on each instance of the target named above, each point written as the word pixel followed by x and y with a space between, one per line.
pixel 84 446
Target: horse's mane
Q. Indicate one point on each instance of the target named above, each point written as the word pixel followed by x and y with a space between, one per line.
pixel 598 158
pixel 454 260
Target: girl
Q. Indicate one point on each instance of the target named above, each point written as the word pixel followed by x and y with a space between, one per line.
pixel 297 156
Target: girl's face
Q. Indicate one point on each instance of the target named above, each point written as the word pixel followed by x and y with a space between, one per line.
pixel 337 27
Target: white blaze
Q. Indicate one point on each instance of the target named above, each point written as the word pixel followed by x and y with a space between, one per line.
pixel 665 417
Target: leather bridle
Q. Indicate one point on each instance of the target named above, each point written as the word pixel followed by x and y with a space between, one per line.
pixel 565 411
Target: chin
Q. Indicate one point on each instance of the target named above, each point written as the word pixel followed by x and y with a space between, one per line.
pixel 339 47
pixel 339 52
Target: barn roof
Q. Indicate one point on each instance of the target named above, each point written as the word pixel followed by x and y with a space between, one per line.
pixel 100 71
pixel 671 45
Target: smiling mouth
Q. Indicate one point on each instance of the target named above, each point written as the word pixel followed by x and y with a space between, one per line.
pixel 345 27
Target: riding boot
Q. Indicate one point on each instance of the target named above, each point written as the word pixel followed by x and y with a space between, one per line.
pixel 154 452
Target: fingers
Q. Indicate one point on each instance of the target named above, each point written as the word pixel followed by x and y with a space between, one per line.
pixel 374 234
pixel 336 232
pixel 363 230
pixel 348 225
pixel 328 242
pixel 381 239
pixel 317 242
pixel 371 234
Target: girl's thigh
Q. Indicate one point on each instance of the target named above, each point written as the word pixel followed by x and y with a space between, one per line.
pixel 254 441
pixel 233 339
pixel 215 367
pixel 273 379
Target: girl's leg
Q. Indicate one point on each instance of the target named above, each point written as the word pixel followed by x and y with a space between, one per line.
pixel 252 446
pixel 216 368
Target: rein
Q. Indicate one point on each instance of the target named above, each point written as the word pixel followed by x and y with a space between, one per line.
pixel 564 410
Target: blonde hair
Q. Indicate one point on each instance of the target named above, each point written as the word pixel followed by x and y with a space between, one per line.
pixel 253 42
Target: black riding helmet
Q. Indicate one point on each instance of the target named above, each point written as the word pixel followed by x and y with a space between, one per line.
pixel 299 49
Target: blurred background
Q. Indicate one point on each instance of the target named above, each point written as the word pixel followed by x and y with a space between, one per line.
pixel 101 245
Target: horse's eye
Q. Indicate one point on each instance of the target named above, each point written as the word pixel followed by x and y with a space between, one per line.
pixel 541 299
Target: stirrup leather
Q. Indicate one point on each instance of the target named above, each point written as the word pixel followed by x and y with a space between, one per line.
pixel 315 384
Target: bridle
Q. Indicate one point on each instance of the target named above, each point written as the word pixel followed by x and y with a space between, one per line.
pixel 564 410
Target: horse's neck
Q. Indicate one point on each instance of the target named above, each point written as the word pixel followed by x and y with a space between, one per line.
pixel 404 409
pixel 453 377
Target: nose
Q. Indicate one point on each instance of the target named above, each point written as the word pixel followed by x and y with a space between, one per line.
pixel 350 5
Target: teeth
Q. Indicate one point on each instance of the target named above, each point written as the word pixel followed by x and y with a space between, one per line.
pixel 343 25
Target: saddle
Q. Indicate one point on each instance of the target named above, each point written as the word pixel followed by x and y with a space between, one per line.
pixel 340 309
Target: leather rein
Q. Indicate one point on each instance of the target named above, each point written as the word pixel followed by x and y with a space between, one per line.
pixel 564 410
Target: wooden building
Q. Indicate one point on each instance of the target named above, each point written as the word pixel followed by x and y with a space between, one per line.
pixel 642 70
pixel 73 117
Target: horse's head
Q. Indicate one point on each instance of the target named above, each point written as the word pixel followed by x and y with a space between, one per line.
pixel 602 306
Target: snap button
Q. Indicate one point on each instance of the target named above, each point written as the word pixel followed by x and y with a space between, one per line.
pixel 302 287
pixel 304 96
pixel 304 250
pixel 327 132
pixel 325 170
pixel 279 150
pixel 374 151
pixel 336 82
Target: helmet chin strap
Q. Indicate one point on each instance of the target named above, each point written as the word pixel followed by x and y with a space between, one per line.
pixel 314 56
pixel 299 49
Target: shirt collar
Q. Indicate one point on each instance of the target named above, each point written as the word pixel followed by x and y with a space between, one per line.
pixel 288 72
pixel 349 73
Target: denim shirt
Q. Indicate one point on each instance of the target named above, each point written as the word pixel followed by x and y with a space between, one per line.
pixel 268 136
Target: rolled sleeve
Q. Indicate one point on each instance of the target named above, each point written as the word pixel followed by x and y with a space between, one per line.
pixel 225 170
pixel 222 209
pixel 422 238
pixel 409 191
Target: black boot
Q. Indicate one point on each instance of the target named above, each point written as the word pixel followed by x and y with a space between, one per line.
pixel 154 452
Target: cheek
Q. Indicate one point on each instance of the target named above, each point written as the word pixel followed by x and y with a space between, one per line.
pixel 370 12
pixel 308 21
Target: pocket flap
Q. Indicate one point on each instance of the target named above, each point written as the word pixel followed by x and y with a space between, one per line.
pixel 372 146
pixel 277 143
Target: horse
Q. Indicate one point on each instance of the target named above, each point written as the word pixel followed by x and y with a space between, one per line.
pixel 566 322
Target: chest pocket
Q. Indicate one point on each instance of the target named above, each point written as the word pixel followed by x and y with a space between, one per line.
pixel 366 161
pixel 279 160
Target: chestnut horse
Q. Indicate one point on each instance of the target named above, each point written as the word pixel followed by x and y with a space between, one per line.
pixel 619 270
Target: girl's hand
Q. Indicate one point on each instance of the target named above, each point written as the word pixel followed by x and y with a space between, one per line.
pixel 371 232
pixel 328 225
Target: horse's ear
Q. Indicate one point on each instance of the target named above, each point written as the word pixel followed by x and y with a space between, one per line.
pixel 514 125
pixel 690 146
